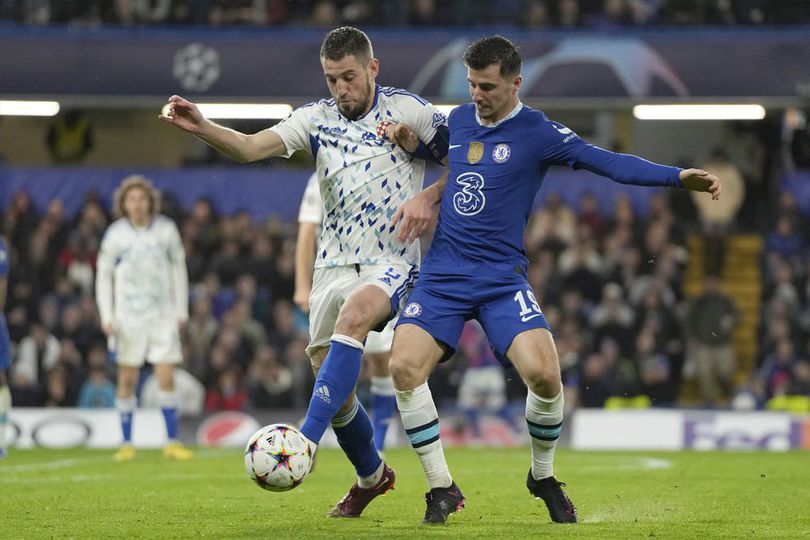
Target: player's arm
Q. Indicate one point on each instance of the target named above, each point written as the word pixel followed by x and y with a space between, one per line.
pixel 179 275
pixel 310 216
pixel 414 215
pixel 236 145
pixel 304 261
pixel 104 286
pixel 630 169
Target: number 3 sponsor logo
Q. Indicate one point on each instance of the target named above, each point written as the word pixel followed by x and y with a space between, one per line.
pixel 470 200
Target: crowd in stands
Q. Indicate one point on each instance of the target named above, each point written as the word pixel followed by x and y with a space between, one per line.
pixel 610 281
pixel 598 14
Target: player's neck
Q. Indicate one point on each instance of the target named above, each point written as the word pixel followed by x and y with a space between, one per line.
pixel 139 222
pixel 508 111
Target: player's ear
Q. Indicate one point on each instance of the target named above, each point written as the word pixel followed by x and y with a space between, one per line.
pixel 517 82
pixel 373 68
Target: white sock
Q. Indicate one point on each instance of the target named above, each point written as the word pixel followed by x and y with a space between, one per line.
pixel 421 422
pixel 544 418
pixel 371 481
pixel 5 408
pixel 382 386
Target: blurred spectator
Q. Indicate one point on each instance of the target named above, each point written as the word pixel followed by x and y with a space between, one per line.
pixel 775 376
pixel 270 384
pixel 710 320
pixel 614 318
pixel 56 389
pixel 70 137
pixel 98 391
pixel 229 393
pixel 718 216
pixel 37 354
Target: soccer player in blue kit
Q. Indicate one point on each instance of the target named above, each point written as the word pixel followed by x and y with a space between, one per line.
pixel 499 152
pixel 5 349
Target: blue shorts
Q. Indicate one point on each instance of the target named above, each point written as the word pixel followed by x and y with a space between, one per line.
pixel 505 306
pixel 5 344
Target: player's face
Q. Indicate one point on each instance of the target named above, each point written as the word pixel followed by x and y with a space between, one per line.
pixel 136 205
pixel 494 96
pixel 351 83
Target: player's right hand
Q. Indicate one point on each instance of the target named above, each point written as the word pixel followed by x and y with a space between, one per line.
pixel 108 329
pixel 402 135
pixel 183 114
pixel 413 217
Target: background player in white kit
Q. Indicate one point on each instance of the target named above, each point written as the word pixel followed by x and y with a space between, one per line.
pixel 378 344
pixel 362 273
pixel 142 296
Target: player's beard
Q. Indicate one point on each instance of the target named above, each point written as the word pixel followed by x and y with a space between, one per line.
pixel 355 109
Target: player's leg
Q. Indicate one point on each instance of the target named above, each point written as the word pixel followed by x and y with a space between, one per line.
pixel 519 334
pixel 383 397
pixel 366 307
pixel 414 355
pixel 5 409
pixel 125 403
pixel 164 354
pixel 5 392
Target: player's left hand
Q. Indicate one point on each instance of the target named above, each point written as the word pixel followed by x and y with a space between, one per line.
pixel 414 215
pixel 181 325
pixel 402 135
pixel 700 180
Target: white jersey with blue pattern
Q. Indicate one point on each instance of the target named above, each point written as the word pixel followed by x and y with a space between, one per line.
pixel 363 177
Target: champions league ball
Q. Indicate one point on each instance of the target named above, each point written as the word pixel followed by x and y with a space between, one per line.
pixel 196 67
pixel 277 457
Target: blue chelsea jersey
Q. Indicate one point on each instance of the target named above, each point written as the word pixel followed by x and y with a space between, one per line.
pixel 495 172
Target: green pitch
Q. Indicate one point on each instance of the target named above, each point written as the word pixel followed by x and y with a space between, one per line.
pixel 84 494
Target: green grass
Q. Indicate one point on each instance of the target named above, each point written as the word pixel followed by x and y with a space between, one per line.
pixel 84 494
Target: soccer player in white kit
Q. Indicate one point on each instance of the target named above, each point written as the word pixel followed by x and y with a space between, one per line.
pixel 142 297
pixel 378 344
pixel 362 272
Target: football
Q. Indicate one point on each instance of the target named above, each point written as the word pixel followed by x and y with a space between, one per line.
pixel 277 457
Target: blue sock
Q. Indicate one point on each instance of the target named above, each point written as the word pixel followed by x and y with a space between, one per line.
pixel 474 421
pixel 336 381
pixel 168 405
pixel 354 433
pixel 125 407
pixel 383 403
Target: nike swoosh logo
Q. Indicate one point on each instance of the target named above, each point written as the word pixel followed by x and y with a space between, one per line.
pixel 564 130
pixel 527 318
pixel 453 146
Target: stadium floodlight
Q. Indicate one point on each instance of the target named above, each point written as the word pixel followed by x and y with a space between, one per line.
pixel 700 112
pixel 246 111
pixel 28 108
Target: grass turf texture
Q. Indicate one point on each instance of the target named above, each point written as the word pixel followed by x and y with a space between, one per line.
pixel 84 494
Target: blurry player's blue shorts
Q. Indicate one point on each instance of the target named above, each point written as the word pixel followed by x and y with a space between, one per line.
pixel 5 344
pixel 504 304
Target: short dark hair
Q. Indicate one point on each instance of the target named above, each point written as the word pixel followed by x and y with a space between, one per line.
pixel 484 52
pixel 344 41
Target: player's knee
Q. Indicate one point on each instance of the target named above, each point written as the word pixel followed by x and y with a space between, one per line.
pixel 353 322
pixel 406 372
pixel 543 378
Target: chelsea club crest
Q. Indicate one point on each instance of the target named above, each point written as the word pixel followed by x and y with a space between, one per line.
pixel 501 153
pixel 412 310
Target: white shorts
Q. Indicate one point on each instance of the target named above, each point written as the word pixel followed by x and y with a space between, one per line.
pixel 157 342
pixel 482 388
pixel 380 342
pixel 331 287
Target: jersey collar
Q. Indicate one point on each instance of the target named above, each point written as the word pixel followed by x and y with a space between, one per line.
pixel 512 114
